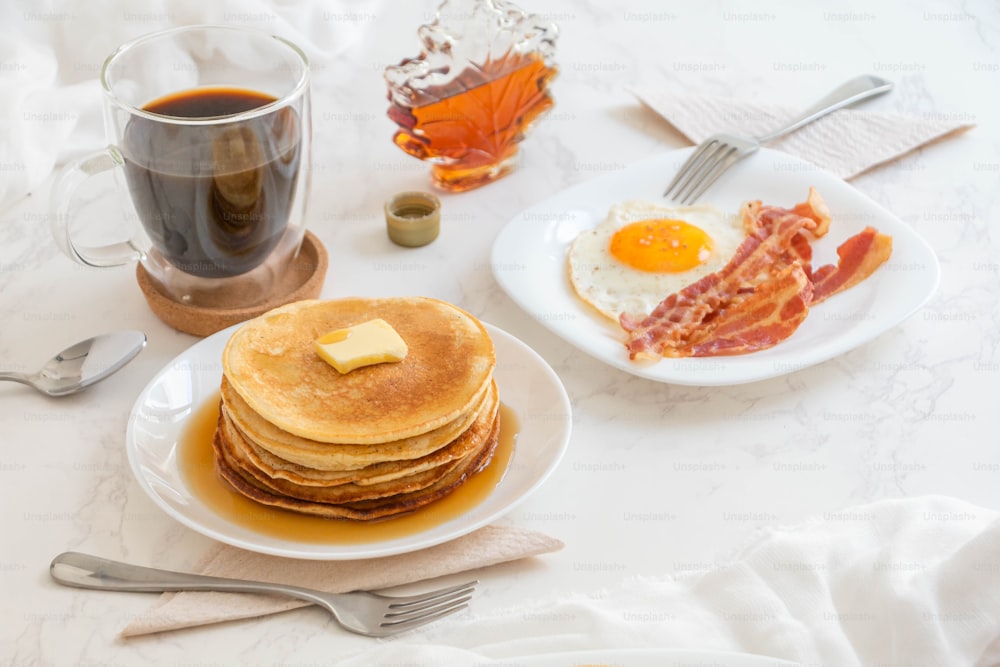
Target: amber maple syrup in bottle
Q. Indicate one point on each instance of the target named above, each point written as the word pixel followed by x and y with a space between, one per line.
pixel 468 100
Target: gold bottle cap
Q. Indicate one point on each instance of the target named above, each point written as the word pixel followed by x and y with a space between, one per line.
pixel 413 218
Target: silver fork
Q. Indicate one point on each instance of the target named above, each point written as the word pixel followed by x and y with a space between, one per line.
pixel 720 151
pixel 362 612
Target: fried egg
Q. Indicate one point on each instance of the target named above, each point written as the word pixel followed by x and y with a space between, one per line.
pixel 643 252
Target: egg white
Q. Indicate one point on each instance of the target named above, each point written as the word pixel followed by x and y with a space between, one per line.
pixel 613 287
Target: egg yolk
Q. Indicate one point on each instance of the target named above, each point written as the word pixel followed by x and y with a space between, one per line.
pixel 661 245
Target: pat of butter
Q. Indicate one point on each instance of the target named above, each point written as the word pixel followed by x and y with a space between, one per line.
pixel 365 344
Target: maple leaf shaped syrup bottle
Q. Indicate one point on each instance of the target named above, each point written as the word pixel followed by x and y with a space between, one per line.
pixel 465 103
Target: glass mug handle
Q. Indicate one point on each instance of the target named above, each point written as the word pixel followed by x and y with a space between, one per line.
pixel 67 182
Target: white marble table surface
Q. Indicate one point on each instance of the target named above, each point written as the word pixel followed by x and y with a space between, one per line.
pixel 658 479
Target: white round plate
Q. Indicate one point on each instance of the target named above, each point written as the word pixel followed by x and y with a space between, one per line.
pixel 529 262
pixel 527 385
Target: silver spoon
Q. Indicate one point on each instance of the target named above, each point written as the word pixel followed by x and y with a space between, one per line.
pixel 81 365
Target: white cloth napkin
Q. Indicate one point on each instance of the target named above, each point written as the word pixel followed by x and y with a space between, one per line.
pixel 845 143
pixel 898 582
pixel 52 54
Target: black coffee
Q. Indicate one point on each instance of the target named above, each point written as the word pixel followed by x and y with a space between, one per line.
pixel 214 199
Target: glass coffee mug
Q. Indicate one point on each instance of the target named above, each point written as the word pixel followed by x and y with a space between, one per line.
pixel 209 130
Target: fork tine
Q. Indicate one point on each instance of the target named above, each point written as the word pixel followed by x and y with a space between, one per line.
pixel 723 163
pixel 707 164
pixel 689 164
pixel 396 602
pixel 392 626
pixel 429 605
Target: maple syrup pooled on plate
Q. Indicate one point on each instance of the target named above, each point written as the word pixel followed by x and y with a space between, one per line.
pixel 196 462
pixel 471 132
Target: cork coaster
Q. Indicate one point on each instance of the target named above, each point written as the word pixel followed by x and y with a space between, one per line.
pixel 304 280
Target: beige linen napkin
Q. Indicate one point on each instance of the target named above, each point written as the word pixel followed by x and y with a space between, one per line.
pixel 487 546
pixel 845 143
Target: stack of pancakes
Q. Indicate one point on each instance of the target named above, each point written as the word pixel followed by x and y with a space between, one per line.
pixel 378 441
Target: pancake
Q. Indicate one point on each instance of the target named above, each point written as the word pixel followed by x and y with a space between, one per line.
pixel 271 364
pixel 229 441
pixel 293 432
pixel 277 468
pixel 340 457
pixel 363 510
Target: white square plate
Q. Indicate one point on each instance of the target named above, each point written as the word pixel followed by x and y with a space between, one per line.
pixel 529 262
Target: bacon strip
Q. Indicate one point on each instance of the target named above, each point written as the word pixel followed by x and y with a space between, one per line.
pixel 857 258
pixel 677 317
pixel 765 291
pixel 770 315
pixel 816 210
pixel 755 215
